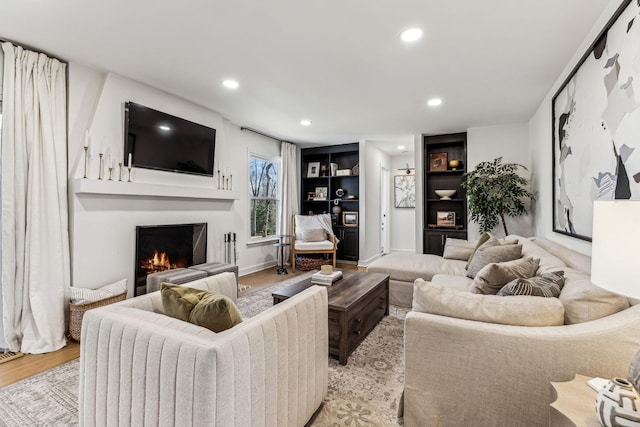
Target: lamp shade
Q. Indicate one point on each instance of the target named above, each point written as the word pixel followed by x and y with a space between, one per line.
pixel 615 249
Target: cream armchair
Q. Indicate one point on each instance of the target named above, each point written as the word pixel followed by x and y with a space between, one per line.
pixel 312 234
pixel 141 367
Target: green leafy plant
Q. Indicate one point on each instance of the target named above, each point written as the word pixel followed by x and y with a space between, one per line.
pixel 495 190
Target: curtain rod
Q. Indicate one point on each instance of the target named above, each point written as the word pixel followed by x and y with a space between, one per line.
pixel 34 50
pixel 264 134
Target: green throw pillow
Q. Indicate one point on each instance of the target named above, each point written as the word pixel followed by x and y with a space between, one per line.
pixel 212 311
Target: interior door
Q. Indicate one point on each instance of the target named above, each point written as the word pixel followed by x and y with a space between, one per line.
pixel 385 183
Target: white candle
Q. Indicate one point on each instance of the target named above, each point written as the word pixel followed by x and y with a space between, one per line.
pixel 129 159
pixel 86 138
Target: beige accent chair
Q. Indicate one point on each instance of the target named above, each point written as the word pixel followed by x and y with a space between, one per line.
pixel 141 367
pixel 312 234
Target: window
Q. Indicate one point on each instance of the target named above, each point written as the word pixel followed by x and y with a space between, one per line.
pixel 263 196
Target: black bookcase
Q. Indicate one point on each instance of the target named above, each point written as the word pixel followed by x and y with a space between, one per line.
pixel 440 174
pixel 344 175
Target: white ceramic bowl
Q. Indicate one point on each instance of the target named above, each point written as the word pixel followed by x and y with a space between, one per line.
pixel 445 194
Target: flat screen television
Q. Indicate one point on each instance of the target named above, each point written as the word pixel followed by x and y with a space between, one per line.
pixel 160 141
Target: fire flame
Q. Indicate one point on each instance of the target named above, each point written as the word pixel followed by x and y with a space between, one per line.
pixel 159 262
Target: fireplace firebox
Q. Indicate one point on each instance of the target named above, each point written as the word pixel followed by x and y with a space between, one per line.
pixel 165 247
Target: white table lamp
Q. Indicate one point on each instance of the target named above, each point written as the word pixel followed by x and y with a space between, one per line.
pixel 615 255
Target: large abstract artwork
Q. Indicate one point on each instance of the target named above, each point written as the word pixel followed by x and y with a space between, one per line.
pixel 596 126
pixel 404 188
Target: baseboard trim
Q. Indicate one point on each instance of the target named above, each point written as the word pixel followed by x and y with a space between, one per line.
pixel 255 268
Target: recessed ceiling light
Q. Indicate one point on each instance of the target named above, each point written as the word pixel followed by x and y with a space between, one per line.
pixel 230 84
pixel 164 128
pixel 434 102
pixel 411 35
pixel 401 147
pixel 305 122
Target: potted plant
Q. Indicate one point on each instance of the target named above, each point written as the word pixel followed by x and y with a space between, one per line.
pixel 495 190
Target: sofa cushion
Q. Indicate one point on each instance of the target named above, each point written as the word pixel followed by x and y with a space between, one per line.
pixel 458 249
pixel 460 283
pixel 407 267
pixel 518 310
pixel 84 295
pixel 314 235
pixel 548 262
pixel 584 301
pixel 546 285
pixel 492 277
pixel 573 259
pixel 492 254
pixel 212 311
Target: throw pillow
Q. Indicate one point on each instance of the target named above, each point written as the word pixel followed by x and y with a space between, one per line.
pixel 216 313
pixel 483 239
pixel 457 249
pixel 546 285
pixel 492 254
pixel 202 308
pixel 492 277
pixel 85 295
pixel 518 310
pixel 314 235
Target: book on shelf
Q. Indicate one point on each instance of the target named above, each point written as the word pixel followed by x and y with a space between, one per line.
pixel 325 279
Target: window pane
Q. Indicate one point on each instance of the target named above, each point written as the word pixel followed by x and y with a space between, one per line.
pixel 263 192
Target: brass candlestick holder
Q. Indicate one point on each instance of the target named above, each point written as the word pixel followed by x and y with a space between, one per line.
pixel 120 171
pixel 86 154
pixel 100 168
pixel 110 172
pixel 129 173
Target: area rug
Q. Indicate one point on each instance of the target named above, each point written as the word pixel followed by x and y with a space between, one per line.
pixel 365 392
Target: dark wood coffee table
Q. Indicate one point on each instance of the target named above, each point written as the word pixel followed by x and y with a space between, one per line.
pixel 357 302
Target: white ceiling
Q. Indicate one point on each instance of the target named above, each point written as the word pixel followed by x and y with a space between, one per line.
pixel 339 63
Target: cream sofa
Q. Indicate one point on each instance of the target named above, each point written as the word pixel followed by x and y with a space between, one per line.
pixel 461 371
pixel 141 367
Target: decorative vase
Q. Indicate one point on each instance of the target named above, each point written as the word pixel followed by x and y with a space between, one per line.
pixel 453 164
pixel 618 404
pixel 336 209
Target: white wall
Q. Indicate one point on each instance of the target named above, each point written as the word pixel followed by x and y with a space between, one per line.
pixel 103 226
pixel 403 235
pixel 511 142
pixel 371 160
pixel 541 145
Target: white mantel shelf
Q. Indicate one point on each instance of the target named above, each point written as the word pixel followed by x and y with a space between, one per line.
pixel 133 189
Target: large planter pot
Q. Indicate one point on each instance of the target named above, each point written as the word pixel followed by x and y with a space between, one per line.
pixel 618 404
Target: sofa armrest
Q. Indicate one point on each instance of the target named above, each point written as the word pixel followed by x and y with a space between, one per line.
pixel 463 372
pixel 271 369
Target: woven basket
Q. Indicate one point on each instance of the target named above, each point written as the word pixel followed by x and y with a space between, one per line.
pixel 76 312
pixel 310 263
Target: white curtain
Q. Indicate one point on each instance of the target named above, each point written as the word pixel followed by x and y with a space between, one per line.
pixel 3 343
pixel 289 189
pixel 35 237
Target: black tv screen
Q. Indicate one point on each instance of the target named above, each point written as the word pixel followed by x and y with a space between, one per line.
pixel 160 141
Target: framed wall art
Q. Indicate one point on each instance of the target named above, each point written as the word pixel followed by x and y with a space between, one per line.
pixel 445 219
pixel 404 191
pixel 596 126
pixel 438 161
pixel 313 170
pixel 350 219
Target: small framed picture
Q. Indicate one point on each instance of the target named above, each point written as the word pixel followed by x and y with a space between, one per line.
pixel 438 161
pixel 311 195
pixel 445 218
pixel 321 193
pixel 350 219
pixel 313 171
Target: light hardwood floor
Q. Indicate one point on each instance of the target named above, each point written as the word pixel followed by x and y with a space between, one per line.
pixel 32 364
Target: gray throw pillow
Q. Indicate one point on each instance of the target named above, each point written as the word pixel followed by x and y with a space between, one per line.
pixel 492 277
pixel 546 285
pixel 314 235
pixel 458 249
pixel 485 240
pixel 492 254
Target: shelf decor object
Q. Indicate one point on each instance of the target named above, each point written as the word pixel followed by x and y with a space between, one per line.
pixel 445 218
pixel 596 138
pixel 445 194
pixel 313 170
pixel 404 191
pixel 614 255
pixel 438 162
pixel 350 219
pixel 454 164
